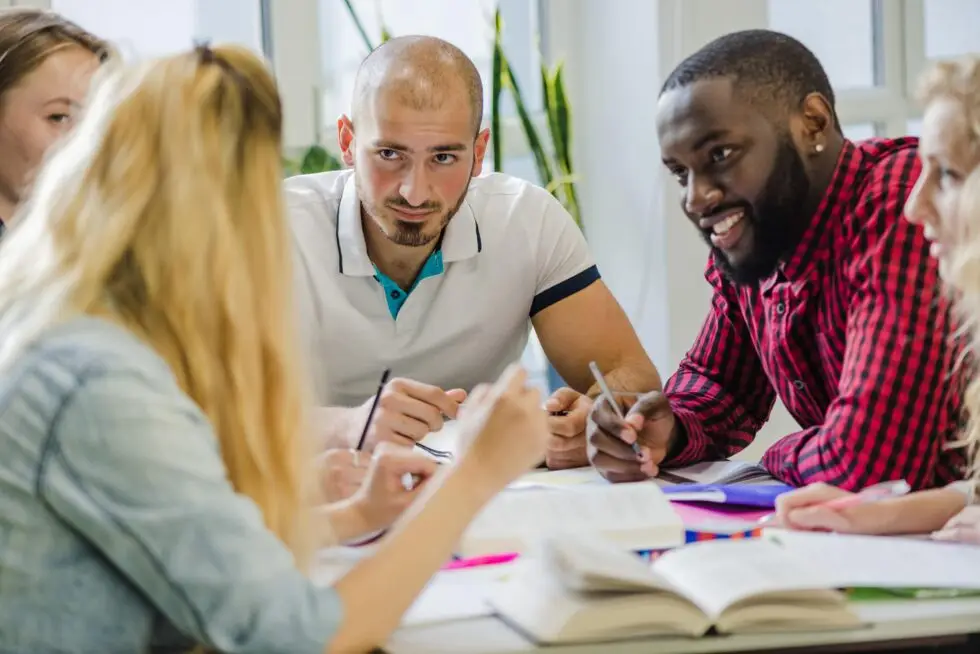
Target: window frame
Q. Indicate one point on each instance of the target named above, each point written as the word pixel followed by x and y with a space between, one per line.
pixel 291 40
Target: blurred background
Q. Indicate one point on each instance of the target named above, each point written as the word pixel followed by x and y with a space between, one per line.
pixel 581 125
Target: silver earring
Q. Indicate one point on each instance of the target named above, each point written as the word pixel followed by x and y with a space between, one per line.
pixel 818 148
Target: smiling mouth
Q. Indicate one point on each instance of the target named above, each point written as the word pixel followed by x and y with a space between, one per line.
pixel 726 233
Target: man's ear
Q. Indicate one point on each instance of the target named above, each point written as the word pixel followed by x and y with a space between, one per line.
pixel 818 123
pixel 480 151
pixel 345 139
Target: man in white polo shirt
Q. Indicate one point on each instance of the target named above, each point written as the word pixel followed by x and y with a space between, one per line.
pixel 411 261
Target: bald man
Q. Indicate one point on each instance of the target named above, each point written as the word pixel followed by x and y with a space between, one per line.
pixel 416 263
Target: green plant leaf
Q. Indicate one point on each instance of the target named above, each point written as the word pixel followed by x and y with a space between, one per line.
pixel 563 120
pixel 496 86
pixel 360 26
pixel 541 160
pixel 548 94
pixel 317 159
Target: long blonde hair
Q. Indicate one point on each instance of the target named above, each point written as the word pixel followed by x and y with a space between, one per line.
pixel 163 211
pixel 959 80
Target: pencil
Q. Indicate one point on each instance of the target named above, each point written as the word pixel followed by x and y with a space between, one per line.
pixel 374 405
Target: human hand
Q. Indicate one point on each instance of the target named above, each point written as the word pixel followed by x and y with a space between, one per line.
pixel 964 527
pixel 649 422
pixel 503 430
pixel 383 495
pixel 407 411
pixel 341 473
pixel 567 444
pixel 805 509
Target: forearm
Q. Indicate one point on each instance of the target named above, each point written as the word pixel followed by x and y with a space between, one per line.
pixel 378 591
pixel 340 522
pixel 635 374
pixel 918 513
pixel 848 454
pixel 710 422
pixel 334 427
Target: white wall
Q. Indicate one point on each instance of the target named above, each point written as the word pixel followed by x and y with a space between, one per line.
pixel 651 257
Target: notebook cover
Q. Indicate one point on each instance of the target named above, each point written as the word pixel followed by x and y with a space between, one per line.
pixel 755 495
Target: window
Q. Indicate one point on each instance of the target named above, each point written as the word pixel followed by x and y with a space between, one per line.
pixel 468 24
pixel 861 131
pixel 951 27
pixel 147 28
pixel 839 32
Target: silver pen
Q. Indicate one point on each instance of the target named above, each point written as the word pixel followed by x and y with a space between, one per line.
pixel 604 389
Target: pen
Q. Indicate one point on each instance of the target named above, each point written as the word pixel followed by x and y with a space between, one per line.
pixel 479 561
pixel 374 405
pixel 604 388
pixel 870 494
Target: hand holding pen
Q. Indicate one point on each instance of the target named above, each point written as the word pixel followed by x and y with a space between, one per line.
pixel 821 507
pixel 405 411
pixel 629 445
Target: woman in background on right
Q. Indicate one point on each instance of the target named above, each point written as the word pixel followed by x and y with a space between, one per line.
pixel 946 202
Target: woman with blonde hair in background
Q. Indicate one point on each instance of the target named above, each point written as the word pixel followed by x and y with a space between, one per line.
pixel 46 64
pixel 946 201
pixel 153 465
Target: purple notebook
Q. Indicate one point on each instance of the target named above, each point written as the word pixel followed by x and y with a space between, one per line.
pixel 758 495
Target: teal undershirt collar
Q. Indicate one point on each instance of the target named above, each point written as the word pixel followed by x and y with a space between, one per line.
pixel 395 294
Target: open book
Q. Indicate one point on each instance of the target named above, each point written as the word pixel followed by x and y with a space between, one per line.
pixel 718 472
pixel 634 516
pixel 590 591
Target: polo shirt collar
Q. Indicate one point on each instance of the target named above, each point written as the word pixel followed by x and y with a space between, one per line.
pixel 460 241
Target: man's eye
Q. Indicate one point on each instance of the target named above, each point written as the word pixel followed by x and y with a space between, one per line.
pixel 680 175
pixel 718 155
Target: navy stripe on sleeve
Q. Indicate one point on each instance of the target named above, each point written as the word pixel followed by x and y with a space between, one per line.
pixel 564 289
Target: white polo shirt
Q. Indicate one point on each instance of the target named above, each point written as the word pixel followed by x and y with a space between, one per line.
pixel 510 251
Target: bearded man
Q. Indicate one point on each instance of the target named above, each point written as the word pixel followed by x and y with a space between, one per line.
pixel 822 294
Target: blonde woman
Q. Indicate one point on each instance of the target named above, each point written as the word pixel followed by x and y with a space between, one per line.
pixel 946 201
pixel 46 63
pixel 153 485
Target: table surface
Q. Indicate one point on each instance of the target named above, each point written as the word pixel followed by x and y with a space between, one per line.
pixel 890 620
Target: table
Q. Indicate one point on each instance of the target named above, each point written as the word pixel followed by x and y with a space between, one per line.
pixel 897 625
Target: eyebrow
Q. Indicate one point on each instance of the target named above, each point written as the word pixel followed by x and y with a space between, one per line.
pixel 703 140
pixel 392 145
pixel 62 100
pixel 713 135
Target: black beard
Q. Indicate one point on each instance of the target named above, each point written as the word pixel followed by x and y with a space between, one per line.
pixel 775 217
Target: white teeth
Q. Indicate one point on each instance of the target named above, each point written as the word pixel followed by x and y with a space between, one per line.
pixel 725 225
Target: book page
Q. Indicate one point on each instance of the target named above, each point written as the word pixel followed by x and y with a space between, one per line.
pixel 718 472
pixel 591 564
pixel 555 479
pixel 884 562
pixel 714 575
pixel 633 516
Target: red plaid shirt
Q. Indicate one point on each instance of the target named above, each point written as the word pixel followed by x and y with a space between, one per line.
pixel 853 334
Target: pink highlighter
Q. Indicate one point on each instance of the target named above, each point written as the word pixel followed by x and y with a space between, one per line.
pixel 873 493
pixel 479 561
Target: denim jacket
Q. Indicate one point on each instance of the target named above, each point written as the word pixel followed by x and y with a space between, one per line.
pixel 119 530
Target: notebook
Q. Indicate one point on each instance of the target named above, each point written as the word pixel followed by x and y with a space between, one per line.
pixel 635 516
pixel 589 590
pixel 754 495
